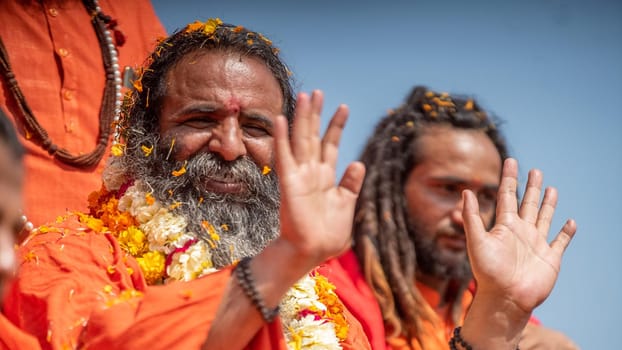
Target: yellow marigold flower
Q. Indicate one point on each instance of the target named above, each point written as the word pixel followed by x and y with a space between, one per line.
pixel 181 171
pixel 127 295
pixel 334 308
pixel 210 230
pixel 266 40
pixel 117 150
pixel 296 342
pixel 468 106
pixel 152 265
pixel 194 26
pixel 266 170
pixel 211 25
pixel 149 199
pixel 133 240
pixel 146 150
pixel 92 223
pixel 31 256
pixel 442 103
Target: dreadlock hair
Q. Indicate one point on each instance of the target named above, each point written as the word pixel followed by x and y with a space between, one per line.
pixel 141 108
pixel 8 137
pixel 381 237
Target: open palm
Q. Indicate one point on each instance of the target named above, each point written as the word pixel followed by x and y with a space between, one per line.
pixel 514 259
pixel 316 214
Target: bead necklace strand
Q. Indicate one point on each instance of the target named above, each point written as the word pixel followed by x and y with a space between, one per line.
pixel 111 101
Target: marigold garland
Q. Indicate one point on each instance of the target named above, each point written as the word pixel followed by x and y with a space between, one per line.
pixel 311 313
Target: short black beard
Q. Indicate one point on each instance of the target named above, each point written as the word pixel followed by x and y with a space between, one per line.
pixel 431 262
pixel 251 218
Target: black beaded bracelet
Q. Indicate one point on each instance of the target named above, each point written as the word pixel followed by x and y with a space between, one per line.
pixel 457 339
pixel 246 281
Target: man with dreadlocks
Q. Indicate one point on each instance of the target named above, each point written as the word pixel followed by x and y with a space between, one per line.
pixel 192 242
pixel 409 232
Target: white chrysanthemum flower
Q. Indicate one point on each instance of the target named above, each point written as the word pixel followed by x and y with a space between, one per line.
pixel 134 201
pixel 306 332
pixel 311 334
pixel 163 229
pixel 191 264
pixel 300 297
pixel 114 174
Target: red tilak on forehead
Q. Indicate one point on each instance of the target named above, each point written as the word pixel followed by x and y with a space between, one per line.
pixel 232 104
pixel 476 181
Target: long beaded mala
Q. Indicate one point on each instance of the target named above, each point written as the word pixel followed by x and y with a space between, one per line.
pixel 111 101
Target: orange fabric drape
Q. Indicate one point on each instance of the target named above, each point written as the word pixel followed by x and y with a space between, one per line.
pixel 12 338
pixel 79 288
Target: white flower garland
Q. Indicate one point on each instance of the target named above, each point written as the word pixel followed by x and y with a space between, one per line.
pixel 189 258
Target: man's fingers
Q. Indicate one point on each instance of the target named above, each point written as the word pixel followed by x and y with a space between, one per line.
pixel 529 205
pixel 473 224
pixel 332 137
pixel 353 177
pixel 506 198
pixel 545 216
pixel 317 102
pixel 560 243
pixel 284 157
pixel 300 139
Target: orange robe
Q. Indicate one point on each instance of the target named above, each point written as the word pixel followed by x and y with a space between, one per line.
pixel 79 288
pixel 57 61
pixel 12 338
pixel 345 273
pixel 355 293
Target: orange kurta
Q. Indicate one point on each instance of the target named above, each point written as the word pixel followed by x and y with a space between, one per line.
pixel 12 338
pixel 345 274
pixel 58 65
pixel 436 334
pixel 76 287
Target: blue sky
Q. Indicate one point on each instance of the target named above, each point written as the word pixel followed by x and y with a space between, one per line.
pixel 550 69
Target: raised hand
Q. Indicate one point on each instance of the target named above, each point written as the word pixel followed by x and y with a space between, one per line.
pixel 514 262
pixel 316 213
